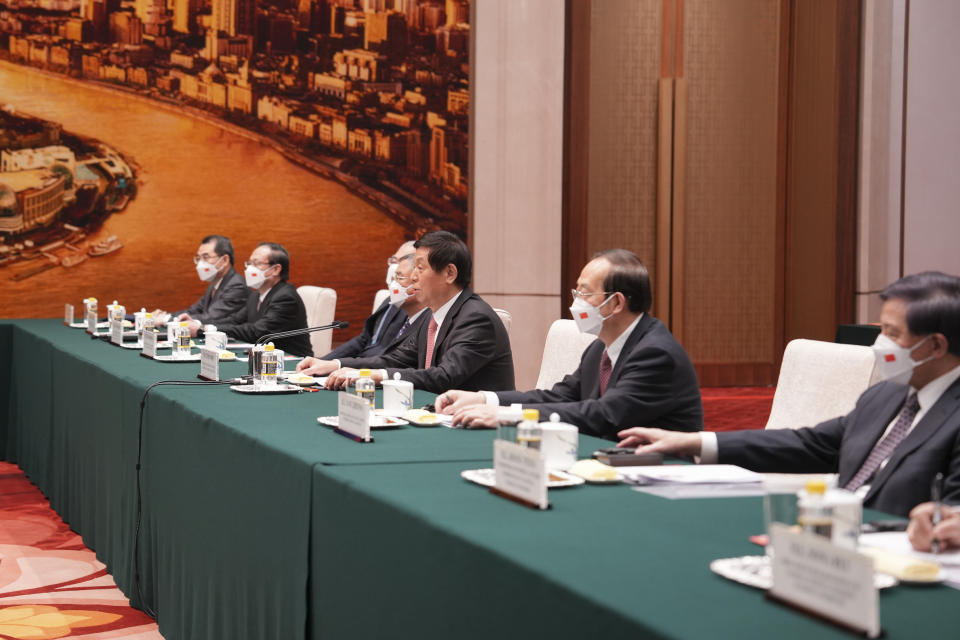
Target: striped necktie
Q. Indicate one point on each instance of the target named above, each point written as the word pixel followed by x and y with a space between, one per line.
pixel 883 449
pixel 606 368
pixel 431 339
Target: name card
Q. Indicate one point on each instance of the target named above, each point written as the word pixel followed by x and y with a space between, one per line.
pixel 68 314
pixel 116 331
pixel 818 577
pixel 520 474
pixel 149 343
pixel 91 323
pixel 353 417
pixel 210 364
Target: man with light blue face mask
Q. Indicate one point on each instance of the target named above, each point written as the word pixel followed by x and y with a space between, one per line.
pixel 634 373
pixel 903 430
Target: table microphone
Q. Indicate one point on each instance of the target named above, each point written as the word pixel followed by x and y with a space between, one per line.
pixel 336 324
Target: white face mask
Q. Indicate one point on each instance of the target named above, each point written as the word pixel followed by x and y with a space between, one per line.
pixel 893 361
pixel 398 293
pixel 391 274
pixel 588 317
pixel 207 271
pixel 254 276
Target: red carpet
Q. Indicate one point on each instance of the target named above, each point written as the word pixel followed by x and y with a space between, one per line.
pixel 734 408
pixel 51 585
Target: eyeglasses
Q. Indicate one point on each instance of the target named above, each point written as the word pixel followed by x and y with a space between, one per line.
pixel 262 266
pixel 583 295
pixel 206 257
pixel 401 279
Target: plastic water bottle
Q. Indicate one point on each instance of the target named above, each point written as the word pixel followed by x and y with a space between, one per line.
pixel 507 420
pixel 183 340
pixel 366 387
pixel 268 366
pixel 529 432
pixel 148 323
pixel 814 514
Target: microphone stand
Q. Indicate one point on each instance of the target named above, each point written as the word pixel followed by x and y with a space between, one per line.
pixel 336 324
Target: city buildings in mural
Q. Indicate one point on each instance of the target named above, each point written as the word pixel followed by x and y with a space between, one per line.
pixel 371 93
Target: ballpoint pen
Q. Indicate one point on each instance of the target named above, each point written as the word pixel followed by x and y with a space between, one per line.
pixel 935 491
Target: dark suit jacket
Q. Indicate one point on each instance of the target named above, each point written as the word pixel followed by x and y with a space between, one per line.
pixel 231 296
pixel 281 310
pixel 471 351
pixel 361 346
pixel 841 445
pixel 653 384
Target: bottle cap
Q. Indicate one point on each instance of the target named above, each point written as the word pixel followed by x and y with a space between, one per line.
pixel 269 347
pixel 148 315
pixel 184 324
pixel 816 486
pixel 531 414
pixel 364 373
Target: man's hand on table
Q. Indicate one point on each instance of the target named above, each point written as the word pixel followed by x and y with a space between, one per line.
pixel 340 378
pixel 452 401
pixel 311 366
pixel 648 440
pixel 476 416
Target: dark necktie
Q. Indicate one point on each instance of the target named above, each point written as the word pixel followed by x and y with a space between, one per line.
pixel 431 339
pixel 384 320
pixel 404 327
pixel 883 449
pixel 606 368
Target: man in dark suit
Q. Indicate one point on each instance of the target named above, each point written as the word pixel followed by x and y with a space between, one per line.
pixel 382 327
pixel 464 344
pixel 902 432
pixel 227 292
pixel 634 373
pixel 413 315
pixel 273 306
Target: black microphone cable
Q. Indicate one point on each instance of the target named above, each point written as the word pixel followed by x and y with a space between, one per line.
pixel 136 534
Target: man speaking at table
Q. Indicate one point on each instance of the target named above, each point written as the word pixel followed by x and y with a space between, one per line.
pixel 902 432
pixel 465 343
pixel 273 306
pixel 634 373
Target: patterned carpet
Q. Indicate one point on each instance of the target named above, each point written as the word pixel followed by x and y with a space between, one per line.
pixel 51 585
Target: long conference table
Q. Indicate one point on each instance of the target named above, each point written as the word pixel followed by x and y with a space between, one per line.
pixel 259 523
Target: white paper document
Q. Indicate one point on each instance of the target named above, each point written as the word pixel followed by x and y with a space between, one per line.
pixel 689 474
pixel 897 542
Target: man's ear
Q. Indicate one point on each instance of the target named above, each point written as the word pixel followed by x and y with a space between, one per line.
pixel 450 273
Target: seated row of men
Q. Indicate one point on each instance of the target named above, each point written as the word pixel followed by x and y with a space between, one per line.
pixel 636 382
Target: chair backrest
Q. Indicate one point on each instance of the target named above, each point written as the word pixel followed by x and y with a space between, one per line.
pixel 506 318
pixel 378 299
pixel 819 381
pixel 561 352
pixel 321 304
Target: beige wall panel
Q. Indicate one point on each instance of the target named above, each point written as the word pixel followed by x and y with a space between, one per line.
pixel 729 222
pixel 624 72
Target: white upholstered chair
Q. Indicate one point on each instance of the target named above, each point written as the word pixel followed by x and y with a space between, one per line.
pixel 506 318
pixel 321 304
pixel 378 299
pixel 819 381
pixel 561 352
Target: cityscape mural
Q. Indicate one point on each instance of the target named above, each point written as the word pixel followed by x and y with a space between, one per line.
pixel 129 129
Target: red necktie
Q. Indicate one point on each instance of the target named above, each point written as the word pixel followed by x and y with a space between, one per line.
pixel 431 338
pixel 606 368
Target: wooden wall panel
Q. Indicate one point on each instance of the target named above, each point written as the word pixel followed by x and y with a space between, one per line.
pixel 725 222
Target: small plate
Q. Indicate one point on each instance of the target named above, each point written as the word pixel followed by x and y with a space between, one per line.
pixel 255 390
pixel 755 571
pixel 940 577
pixel 487 478
pixel 193 357
pixel 376 422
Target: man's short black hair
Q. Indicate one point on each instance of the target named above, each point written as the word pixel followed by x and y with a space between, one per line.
pixel 629 276
pixel 446 248
pixel 278 255
pixel 933 304
pixel 222 246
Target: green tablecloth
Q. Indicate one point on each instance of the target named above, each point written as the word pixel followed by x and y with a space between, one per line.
pixel 259 523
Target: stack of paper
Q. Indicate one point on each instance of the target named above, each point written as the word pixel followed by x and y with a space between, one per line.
pixel 694 480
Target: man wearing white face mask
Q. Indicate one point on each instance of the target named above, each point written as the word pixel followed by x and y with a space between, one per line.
pixel 226 293
pixel 634 373
pixel 902 432
pixel 412 314
pixel 272 307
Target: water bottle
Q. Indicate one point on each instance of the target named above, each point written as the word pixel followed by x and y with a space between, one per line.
pixel 814 514
pixel 366 388
pixel 268 366
pixel 529 432
pixel 507 419
pixel 183 340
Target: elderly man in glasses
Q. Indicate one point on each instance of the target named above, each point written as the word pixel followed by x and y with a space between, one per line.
pixel 634 373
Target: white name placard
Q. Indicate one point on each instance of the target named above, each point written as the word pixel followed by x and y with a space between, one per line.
pixel 815 575
pixel 149 343
pixel 209 364
pixel 91 323
pixel 116 331
pixel 68 314
pixel 353 416
pixel 520 473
